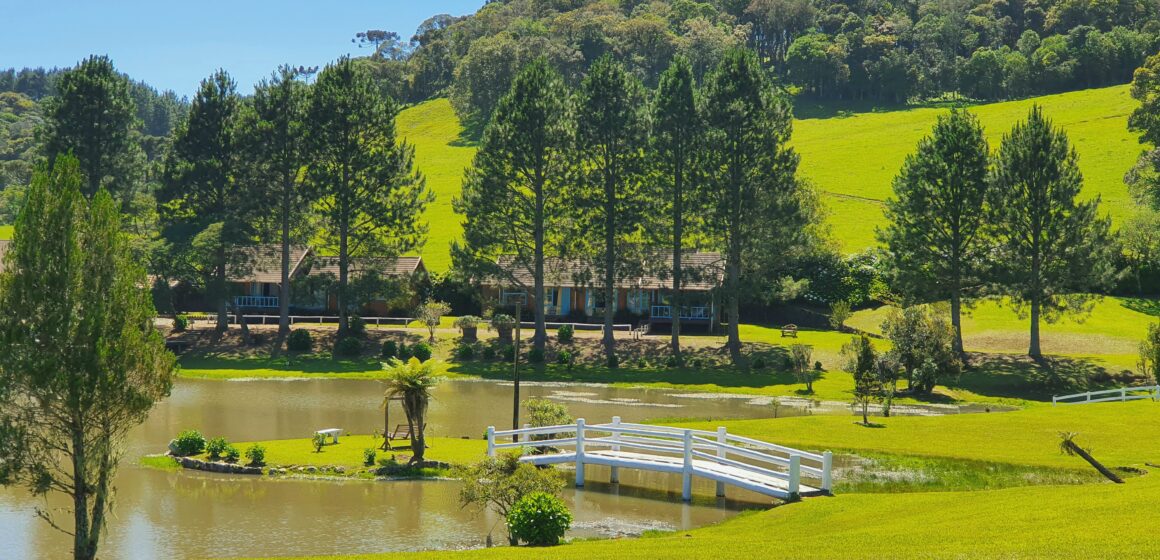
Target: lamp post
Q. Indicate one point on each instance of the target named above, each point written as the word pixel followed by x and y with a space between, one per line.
pixel 519 303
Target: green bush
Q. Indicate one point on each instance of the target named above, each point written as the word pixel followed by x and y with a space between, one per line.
pixel 215 447
pixel 536 356
pixel 256 454
pixel 356 326
pixel 180 323
pixel 231 453
pixel 642 363
pixel 189 442
pixel 489 353
pixel 390 349
pixel 349 346
pixel 759 362
pixel 539 519
pixel 465 352
pixel 318 441
pixel 508 352
pixel 300 340
pixel 369 457
pixel 565 333
pixel 564 358
pixel 421 351
pixel 404 351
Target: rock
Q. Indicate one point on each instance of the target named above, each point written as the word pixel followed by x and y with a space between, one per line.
pixel 311 469
pixel 340 469
pixel 173 448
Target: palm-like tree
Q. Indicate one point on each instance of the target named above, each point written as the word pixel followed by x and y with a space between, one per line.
pixel 412 382
pixel 1069 447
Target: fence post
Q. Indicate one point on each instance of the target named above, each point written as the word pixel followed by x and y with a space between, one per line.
pixel 614 478
pixel 579 452
pixel 827 464
pixel 491 441
pixel 721 441
pixel 687 469
pixel 795 464
pixel 1054 401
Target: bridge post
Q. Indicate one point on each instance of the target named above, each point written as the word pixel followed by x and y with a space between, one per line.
pixel 795 472
pixel 614 478
pixel 827 464
pixel 721 441
pixel 579 452
pixel 490 441
pixel 687 469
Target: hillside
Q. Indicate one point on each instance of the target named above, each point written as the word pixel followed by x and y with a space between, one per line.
pixel 851 159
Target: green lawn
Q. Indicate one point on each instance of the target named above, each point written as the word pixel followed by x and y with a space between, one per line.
pixel 850 158
pixel 348 452
pixel 5 232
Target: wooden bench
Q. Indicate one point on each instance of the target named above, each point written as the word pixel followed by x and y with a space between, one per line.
pixel 789 331
pixel 402 431
pixel 332 433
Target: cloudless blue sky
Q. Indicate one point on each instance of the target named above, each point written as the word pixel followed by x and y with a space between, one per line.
pixel 173 45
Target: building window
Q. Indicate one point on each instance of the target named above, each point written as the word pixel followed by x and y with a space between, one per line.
pixel 510 297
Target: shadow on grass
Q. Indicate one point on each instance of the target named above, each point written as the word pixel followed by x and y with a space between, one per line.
pixel 312 364
pixel 814 109
pixel 1147 306
pixel 1021 377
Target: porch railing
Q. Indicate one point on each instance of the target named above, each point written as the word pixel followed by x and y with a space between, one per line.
pixel 256 301
pixel 703 313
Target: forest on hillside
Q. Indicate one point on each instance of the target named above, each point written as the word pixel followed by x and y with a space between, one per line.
pixel 880 51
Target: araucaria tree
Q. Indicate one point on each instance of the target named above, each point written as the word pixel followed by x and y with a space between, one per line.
pixel 276 143
pixel 369 195
pixel 675 139
pixel 93 117
pixel 206 206
pixel 935 235
pixel 514 195
pixel 757 209
pixel 612 134
pixel 1051 246
pixel 80 360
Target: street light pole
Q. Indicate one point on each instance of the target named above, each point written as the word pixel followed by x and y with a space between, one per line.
pixel 516 370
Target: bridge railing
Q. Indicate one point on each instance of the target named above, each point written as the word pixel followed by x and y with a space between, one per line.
pixel 1107 395
pixel 667 444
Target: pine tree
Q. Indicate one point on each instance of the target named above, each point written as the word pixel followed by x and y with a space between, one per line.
pixel 758 212
pixel 81 362
pixel 1052 246
pixel 936 220
pixel 206 206
pixel 93 117
pixel 611 135
pixel 514 195
pixel 277 152
pixel 370 196
pixel 677 130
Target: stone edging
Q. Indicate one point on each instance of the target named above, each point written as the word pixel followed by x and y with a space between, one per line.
pixel 210 466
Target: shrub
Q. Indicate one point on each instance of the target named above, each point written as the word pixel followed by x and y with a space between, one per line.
pixel 369 457
pixel 671 362
pixel 189 442
pixel 503 324
pixel 421 351
pixel 348 346
pixel 356 326
pixel 180 323
pixel 489 353
pixel 536 356
pixel 300 340
pixel 499 482
pixel 465 352
pixel 839 314
pixel 759 362
pixel 509 353
pixel 468 326
pixel 800 355
pixel 565 333
pixel 642 363
pixel 318 441
pixel 564 358
pixel 818 366
pixel 539 519
pixel 543 412
pixel 390 349
pixel 256 454
pixel 231 453
pixel 431 313
pixel 918 334
pixel 405 352
pixel 215 447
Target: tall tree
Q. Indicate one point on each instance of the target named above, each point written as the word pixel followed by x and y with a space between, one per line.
pixel 936 220
pixel 612 132
pixel 370 196
pixel 206 206
pixel 514 194
pixel 276 142
pixel 1052 245
pixel 757 212
pixel 676 132
pixel 93 117
pixel 80 360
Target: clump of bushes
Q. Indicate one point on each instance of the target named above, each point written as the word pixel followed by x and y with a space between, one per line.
pixel 759 362
pixel 180 323
pixel 369 457
pixel 465 352
pixel 536 356
pixel 348 346
pixel 390 349
pixel 564 358
pixel 189 442
pixel 565 333
pixel 489 353
pixel 256 454
pixel 421 351
pixel 356 326
pixel 300 340
pixel 539 519
pixel 216 447
pixel 231 454
pixel 509 353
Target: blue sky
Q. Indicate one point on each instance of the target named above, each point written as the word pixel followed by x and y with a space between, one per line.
pixel 173 45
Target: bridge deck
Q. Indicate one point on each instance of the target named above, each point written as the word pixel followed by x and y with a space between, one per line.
pixel 756 482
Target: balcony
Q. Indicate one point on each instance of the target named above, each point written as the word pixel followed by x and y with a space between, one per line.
pixel 251 302
pixel 691 313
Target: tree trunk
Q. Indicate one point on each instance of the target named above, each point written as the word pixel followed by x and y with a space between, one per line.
pixel 678 242
pixel 81 527
pixel 284 288
pixel 219 280
pixel 733 296
pixel 540 338
pixel 610 302
pixel 1093 462
pixel 956 319
pixel 343 268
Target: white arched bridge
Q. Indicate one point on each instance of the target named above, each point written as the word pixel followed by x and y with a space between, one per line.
pixel 766 468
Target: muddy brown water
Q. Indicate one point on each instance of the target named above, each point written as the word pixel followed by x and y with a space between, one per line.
pixel 194 515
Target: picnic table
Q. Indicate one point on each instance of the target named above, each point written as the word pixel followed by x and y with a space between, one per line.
pixel 332 433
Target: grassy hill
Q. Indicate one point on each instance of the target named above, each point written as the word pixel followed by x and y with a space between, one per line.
pixel 850 158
